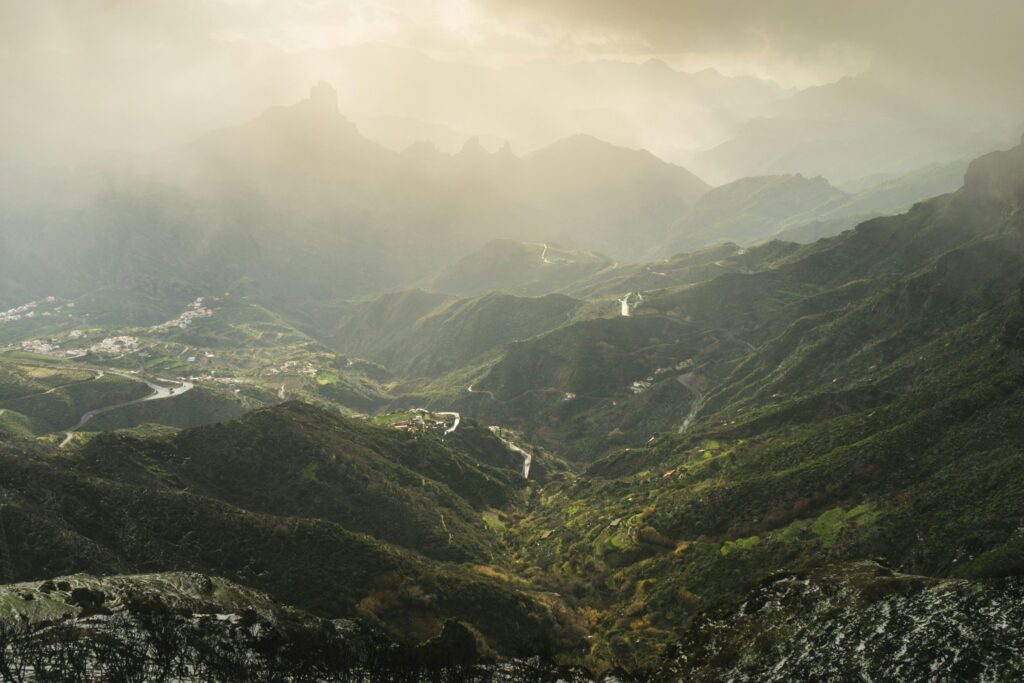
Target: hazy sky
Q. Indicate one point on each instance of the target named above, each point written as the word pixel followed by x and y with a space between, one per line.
pixel 100 63
pixel 796 42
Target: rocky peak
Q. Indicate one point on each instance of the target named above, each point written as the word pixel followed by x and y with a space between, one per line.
pixel 998 176
pixel 473 149
pixel 324 98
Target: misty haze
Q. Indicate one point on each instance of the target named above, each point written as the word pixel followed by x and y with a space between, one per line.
pixel 486 340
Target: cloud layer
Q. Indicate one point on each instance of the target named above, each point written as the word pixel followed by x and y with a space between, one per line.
pixel 136 74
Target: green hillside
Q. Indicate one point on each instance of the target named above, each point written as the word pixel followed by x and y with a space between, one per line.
pixel 861 410
pixel 295 460
pixel 280 517
pixel 521 268
pixel 421 334
pixel 54 399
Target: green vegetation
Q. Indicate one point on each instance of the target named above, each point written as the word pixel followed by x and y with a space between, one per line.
pixel 238 500
pixel 420 334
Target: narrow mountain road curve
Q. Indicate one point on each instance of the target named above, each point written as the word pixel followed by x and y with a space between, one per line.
pixel 527 457
pixel 544 255
pixel 455 425
pixel 624 307
pixel 159 393
pixel 485 392
pixel 448 430
pixel 698 399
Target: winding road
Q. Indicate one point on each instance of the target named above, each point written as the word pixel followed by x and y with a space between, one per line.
pixel 698 399
pixel 624 302
pixel 455 425
pixel 448 430
pixel 471 390
pixel 527 457
pixel 544 255
pixel 159 393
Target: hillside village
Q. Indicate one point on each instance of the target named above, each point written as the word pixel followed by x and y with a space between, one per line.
pixel 421 420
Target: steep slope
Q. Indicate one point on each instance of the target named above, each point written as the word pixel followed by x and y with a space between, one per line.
pixel 751 210
pixel 592 357
pixel 417 334
pixel 794 208
pixel 899 192
pixel 521 268
pixel 584 181
pixel 363 328
pixel 533 269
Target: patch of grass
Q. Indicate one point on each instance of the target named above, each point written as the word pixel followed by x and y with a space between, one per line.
pixel 740 544
pixel 828 525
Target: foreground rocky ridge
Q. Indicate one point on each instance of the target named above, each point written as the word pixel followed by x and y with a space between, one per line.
pixel 862 621
pixel 193 627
